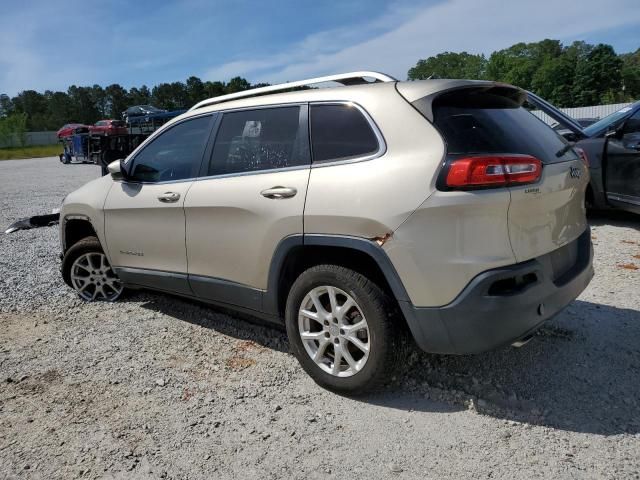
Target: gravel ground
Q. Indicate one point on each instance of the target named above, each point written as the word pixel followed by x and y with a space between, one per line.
pixel 158 387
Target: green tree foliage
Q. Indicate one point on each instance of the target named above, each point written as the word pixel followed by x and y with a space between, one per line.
pixel 450 65
pixel 598 77
pixel 13 130
pixel 575 75
pixel 630 74
pixel 50 110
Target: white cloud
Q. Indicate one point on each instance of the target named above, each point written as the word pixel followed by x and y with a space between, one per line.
pixel 477 26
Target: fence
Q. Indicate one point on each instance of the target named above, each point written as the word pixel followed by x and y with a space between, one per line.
pixel 32 139
pixel 596 111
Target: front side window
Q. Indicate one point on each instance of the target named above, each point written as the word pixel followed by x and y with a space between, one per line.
pixel 340 132
pixel 175 154
pixel 261 139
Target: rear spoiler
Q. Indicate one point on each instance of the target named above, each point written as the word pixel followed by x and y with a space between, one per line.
pixel 559 116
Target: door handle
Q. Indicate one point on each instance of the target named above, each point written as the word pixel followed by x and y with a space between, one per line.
pixel 169 197
pixel 277 193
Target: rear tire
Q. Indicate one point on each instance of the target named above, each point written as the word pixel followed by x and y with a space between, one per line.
pixel 341 315
pixel 86 269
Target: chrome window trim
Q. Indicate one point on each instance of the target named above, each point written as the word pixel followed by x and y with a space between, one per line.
pixel 382 144
pixel 255 172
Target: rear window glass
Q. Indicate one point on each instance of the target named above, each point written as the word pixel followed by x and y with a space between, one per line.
pixel 340 132
pixel 479 122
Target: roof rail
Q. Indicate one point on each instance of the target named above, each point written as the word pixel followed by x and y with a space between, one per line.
pixel 351 78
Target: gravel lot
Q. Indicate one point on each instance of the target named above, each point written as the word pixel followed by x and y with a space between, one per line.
pixel 158 387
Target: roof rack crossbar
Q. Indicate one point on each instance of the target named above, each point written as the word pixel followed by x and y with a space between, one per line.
pixel 351 78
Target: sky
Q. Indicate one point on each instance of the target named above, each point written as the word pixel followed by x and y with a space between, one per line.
pixel 52 44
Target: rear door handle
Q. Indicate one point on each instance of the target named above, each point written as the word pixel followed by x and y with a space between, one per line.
pixel 277 193
pixel 169 197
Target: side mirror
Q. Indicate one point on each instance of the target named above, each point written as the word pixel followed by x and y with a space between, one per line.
pixel 117 170
pixel 615 133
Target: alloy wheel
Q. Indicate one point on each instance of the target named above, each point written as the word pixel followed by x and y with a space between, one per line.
pixel 334 331
pixel 93 278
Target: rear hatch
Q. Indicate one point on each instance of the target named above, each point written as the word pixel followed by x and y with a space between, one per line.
pixel 546 210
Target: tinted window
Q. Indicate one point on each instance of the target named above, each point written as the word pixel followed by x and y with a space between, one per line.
pixel 174 155
pixel 339 132
pixel 262 139
pixel 477 122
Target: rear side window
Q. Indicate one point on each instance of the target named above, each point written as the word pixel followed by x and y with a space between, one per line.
pixel 340 132
pixel 476 121
pixel 176 154
pixel 261 139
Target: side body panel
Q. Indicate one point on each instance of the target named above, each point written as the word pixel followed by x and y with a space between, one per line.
pixel 373 197
pixel 232 230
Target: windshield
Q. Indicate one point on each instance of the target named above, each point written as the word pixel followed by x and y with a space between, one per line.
pixel 609 121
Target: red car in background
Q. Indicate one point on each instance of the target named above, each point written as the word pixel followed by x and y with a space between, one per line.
pixel 109 127
pixel 69 129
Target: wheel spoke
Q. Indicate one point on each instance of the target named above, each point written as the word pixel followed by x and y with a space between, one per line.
pixel 358 343
pixel 83 267
pixel 316 303
pixel 350 360
pixel 337 359
pixel 351 329
pixel 321 349
pixel 310 315
pixel 312 335
pixel 344 308
pixel 333 301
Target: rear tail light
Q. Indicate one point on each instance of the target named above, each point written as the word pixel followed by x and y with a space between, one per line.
pixel 492 171
pixel 583 156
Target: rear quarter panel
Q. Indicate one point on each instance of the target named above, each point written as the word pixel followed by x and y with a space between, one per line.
pixel 373 197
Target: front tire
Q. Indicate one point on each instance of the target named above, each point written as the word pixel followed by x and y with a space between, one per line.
pixel 86 269
pixel 340 329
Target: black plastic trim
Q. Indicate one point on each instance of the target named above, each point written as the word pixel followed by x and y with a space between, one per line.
pixel 219 290
pixel 154 279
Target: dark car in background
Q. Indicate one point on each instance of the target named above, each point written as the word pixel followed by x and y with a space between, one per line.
pixel 141 111
pixel 109 127
pixel 612 149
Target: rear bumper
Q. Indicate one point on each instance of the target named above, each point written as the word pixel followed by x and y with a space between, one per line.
pixel 502 305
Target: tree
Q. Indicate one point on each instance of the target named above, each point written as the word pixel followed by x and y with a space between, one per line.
pixel 117 100
pixel 237 84
pixel 140 96
pixel 519 63
pixel 450 65
pixel 631 75
pixel 195 90
pixel 6 107
pixel 598 76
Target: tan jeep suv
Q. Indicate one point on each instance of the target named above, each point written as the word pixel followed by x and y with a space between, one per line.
pixel 348 213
